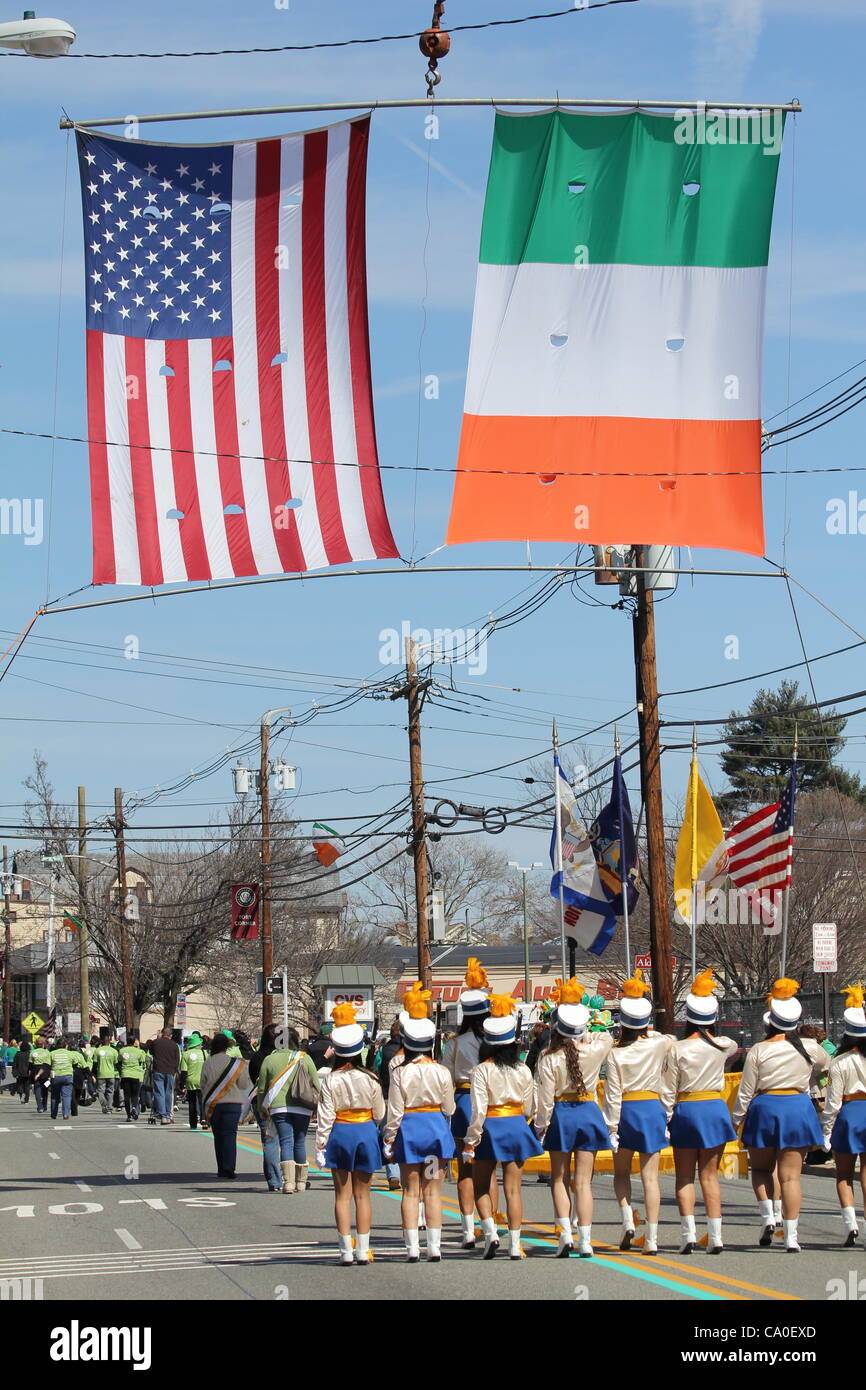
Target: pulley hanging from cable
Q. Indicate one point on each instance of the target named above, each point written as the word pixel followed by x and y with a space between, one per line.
pixel 434 43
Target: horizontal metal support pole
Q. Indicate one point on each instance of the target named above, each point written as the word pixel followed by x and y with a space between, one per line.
pixel 588 103
pixel 150 594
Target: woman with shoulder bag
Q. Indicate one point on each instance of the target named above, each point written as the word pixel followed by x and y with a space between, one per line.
pixel 288 1090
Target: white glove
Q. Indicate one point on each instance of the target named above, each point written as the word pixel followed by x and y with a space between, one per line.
pixel 468 1155
pixel 827 1146
pixel 320 1158
pixel 614 1140
pixel 388 1151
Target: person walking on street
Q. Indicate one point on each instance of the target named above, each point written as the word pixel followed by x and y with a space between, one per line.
pixel 133 1061
pixel 460 1056
pixel 61 1079
pixel 417 1131
pixel 391 1049
pixel 166 1060
pixel 21 1072
pixel 40 1074
pixel 191 1063
pixel 270 1141
pixel 350 1110
pixel 225 1085
pixel 106 1068
pixel 288 1089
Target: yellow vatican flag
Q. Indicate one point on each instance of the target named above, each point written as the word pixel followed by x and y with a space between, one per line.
pixel 700 837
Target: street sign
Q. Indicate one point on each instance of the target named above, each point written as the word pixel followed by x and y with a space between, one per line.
pixel 33 1023
pixel 824 954
pixel 180 1010
pixel 275 984
pixel 73 1023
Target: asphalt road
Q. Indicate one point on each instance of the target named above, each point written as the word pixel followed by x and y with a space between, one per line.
pixel 99 1209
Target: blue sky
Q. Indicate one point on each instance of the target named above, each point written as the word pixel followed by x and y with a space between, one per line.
pixel 141 724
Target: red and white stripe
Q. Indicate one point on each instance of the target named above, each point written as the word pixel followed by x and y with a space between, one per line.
pixel 758 859
pixel 172 434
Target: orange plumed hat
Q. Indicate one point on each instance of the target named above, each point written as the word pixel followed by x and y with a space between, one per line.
pixel 634 1007
pixel 702 1006
pixel 476 975
pixel 415 1000
pixel 501 1005
pixel 783 989
pixel 635 988
pixel 569 992
pixel 854 1016
pixel 853 996
pixel 343 1016
pixel 703 984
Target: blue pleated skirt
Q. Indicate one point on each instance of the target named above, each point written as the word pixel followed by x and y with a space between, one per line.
pixel 354 1147
pixel 849 1131
pixel 508 1139
pixel 642 1126
pixel 462 1114
pixel 782 1122
pixel 576 1124
pixel 701 1124
pixel 422 1135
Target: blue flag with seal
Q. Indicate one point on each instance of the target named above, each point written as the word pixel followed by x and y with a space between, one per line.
pixel 589 913
pixel 615 847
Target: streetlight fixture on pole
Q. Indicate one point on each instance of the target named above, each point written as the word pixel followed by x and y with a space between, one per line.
pixel 525 869
pixel 39 38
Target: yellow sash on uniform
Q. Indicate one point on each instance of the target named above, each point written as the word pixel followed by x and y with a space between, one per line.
pixel 502 1112
pixel 353 1117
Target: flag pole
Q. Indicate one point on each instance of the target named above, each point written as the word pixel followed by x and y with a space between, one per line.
pixel 788 874
pixel 623 879
pixel 693 794
pixel 559 848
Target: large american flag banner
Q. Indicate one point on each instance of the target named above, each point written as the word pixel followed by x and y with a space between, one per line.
pixel 760 847
pixel 229 393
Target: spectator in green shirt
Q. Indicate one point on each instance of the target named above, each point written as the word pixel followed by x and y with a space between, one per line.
pixel 191 1063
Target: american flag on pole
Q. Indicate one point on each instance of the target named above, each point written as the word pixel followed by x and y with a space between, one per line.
pixel 229 391
pixel 49 1027
pixel 759 849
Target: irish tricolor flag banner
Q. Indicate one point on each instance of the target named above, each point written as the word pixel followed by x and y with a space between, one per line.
pixel 617 332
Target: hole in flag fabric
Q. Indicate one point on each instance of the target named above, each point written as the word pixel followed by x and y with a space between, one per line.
pixel 233 510
pixel 558 339
pixel 223 365
pixel 173 514
pixel 675 344
pixel 152 212
pixel 292 502
pixel 166 371
pixel 220 208
pixel 690 189
pixel 576 185
pixel 280 357
pixel 546 478
pixel 668 484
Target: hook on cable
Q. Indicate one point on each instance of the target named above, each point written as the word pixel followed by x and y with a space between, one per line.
pixel 434 44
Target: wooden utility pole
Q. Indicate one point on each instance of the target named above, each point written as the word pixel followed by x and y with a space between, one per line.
pixel 83 971
pixel 267 937
pixel 7 950
pixel 412 692
pixel 126 968
pixel 651 790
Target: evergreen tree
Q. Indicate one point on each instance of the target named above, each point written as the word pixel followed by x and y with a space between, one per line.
pixel 759 744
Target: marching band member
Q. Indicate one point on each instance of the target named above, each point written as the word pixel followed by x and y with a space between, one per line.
pixel 568 1119
pixel 844 1117
pixel 460 1056
pixel 633 1109
pixel 347 1135
pixel 420 1104
pixel 501 1092
pixel 780 1123
pixel 699 1122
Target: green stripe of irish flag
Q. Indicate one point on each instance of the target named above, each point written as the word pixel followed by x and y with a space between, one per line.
pixel 630 170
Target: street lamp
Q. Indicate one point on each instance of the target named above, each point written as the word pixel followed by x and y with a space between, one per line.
pixel 525 869
pixel 40 38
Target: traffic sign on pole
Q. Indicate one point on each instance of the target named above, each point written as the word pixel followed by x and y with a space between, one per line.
pixel 33 1023
pixel 824 952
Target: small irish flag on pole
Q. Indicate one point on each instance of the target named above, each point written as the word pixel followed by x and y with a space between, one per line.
pixel 71 923
pixel 327 845
pixel 614 379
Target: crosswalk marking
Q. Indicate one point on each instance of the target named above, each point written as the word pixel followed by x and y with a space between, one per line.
pixel 128 1240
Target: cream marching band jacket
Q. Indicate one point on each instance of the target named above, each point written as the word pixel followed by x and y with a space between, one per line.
pixel 421 1085
pixel 777 1066
pixel 493 1087
pixel 551 1075
pixel 639 1068
pixel 344 1091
